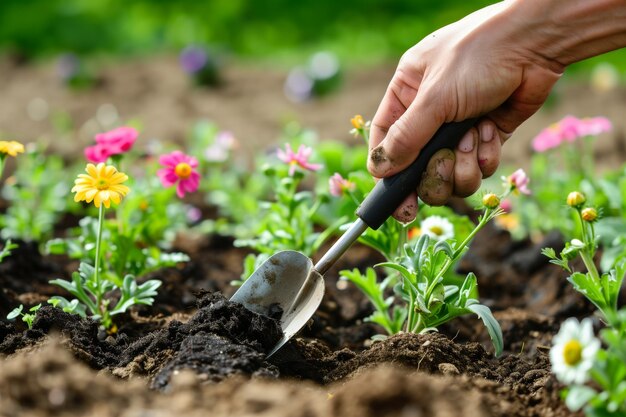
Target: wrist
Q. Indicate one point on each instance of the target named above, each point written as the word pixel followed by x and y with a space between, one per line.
pixel 568 31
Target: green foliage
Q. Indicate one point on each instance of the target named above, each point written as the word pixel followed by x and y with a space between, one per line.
pixel 91 294
pixel 6 249
pixel 251 28
pixel 390 317
pixel 228 182
pixel 602 289
pixel 286 223
pixel 28 317
pixel 421 301
pixel 128 255
pixel 38 196
pixel 607 397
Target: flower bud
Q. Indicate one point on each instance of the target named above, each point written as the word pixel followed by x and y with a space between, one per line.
pixel 358 122
pixel 589 214
pixel 577 243
pixel 576 199
pixel 491 201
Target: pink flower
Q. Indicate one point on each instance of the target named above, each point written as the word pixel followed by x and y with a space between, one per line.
pixel 506 206
pixel 113 142
pixel 300 158
pixel 97 153
pixel 519 181
pixel 181 169
pixel 548 138
pixel 592 126
pixel 219 150
pixel 339 185
pixel 569 129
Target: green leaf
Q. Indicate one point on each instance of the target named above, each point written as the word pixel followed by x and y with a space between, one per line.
pixel 589 287
pixel 15 312
pixel 392 265
pixel 578 396
pixel 72 307
pixel 493 327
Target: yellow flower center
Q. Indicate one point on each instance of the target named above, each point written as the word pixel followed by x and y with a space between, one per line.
pixel 182 170
pixel 102 184
pixel 572 352
pixel 437 230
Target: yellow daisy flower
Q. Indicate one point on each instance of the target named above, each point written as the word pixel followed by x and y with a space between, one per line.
pixel 102 184
pixel 11 148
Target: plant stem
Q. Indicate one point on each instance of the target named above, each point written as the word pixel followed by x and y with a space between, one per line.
pixel 444 268
pixel 590 264
pixel 97 264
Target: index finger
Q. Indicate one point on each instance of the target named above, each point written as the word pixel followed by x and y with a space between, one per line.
pixel 394 104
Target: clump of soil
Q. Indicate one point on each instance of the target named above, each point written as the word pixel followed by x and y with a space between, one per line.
pixel 221 339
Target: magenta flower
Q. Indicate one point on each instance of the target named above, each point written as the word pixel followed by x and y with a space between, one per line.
pixel 518 181
pixel 338 185
pixel 97 153
pixel 300 158
pixel 113 142
pixel 181 169
pixel 569 129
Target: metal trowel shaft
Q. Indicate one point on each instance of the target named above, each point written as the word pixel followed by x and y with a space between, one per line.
pixel 345 241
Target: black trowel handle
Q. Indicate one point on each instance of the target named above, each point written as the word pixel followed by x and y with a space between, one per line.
pixel 390 192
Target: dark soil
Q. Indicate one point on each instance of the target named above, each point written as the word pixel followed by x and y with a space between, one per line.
pixel 184 350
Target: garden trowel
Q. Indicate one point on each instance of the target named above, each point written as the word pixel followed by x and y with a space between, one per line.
pixel 289 285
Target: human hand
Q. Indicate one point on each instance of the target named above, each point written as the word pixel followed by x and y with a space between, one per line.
pixel 481 66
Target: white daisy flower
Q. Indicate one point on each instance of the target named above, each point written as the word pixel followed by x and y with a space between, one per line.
pixel 573 352
pixel 437 227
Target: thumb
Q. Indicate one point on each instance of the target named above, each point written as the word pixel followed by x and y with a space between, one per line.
pixel 405 138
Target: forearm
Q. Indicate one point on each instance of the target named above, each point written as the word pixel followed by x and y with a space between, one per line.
pixel 568 31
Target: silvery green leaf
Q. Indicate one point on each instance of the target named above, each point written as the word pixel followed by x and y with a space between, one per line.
pixel 578 396
pixel 493 327
pixel 444 246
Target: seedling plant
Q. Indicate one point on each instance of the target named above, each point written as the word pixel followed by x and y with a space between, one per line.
pixel 421 298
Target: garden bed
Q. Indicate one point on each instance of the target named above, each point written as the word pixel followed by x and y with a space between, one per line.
pixel 187 349
pixel 191 353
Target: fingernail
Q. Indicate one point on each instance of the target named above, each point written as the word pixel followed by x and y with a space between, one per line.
pixel 487 132
pixel 467 143
pixel 405 214
pixel 445 166
pixel 379 162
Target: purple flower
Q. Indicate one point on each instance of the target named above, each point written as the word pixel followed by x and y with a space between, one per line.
pixel 68 66
pixel 193 59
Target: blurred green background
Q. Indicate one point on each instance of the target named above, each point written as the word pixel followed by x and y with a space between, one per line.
pixel 358 31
